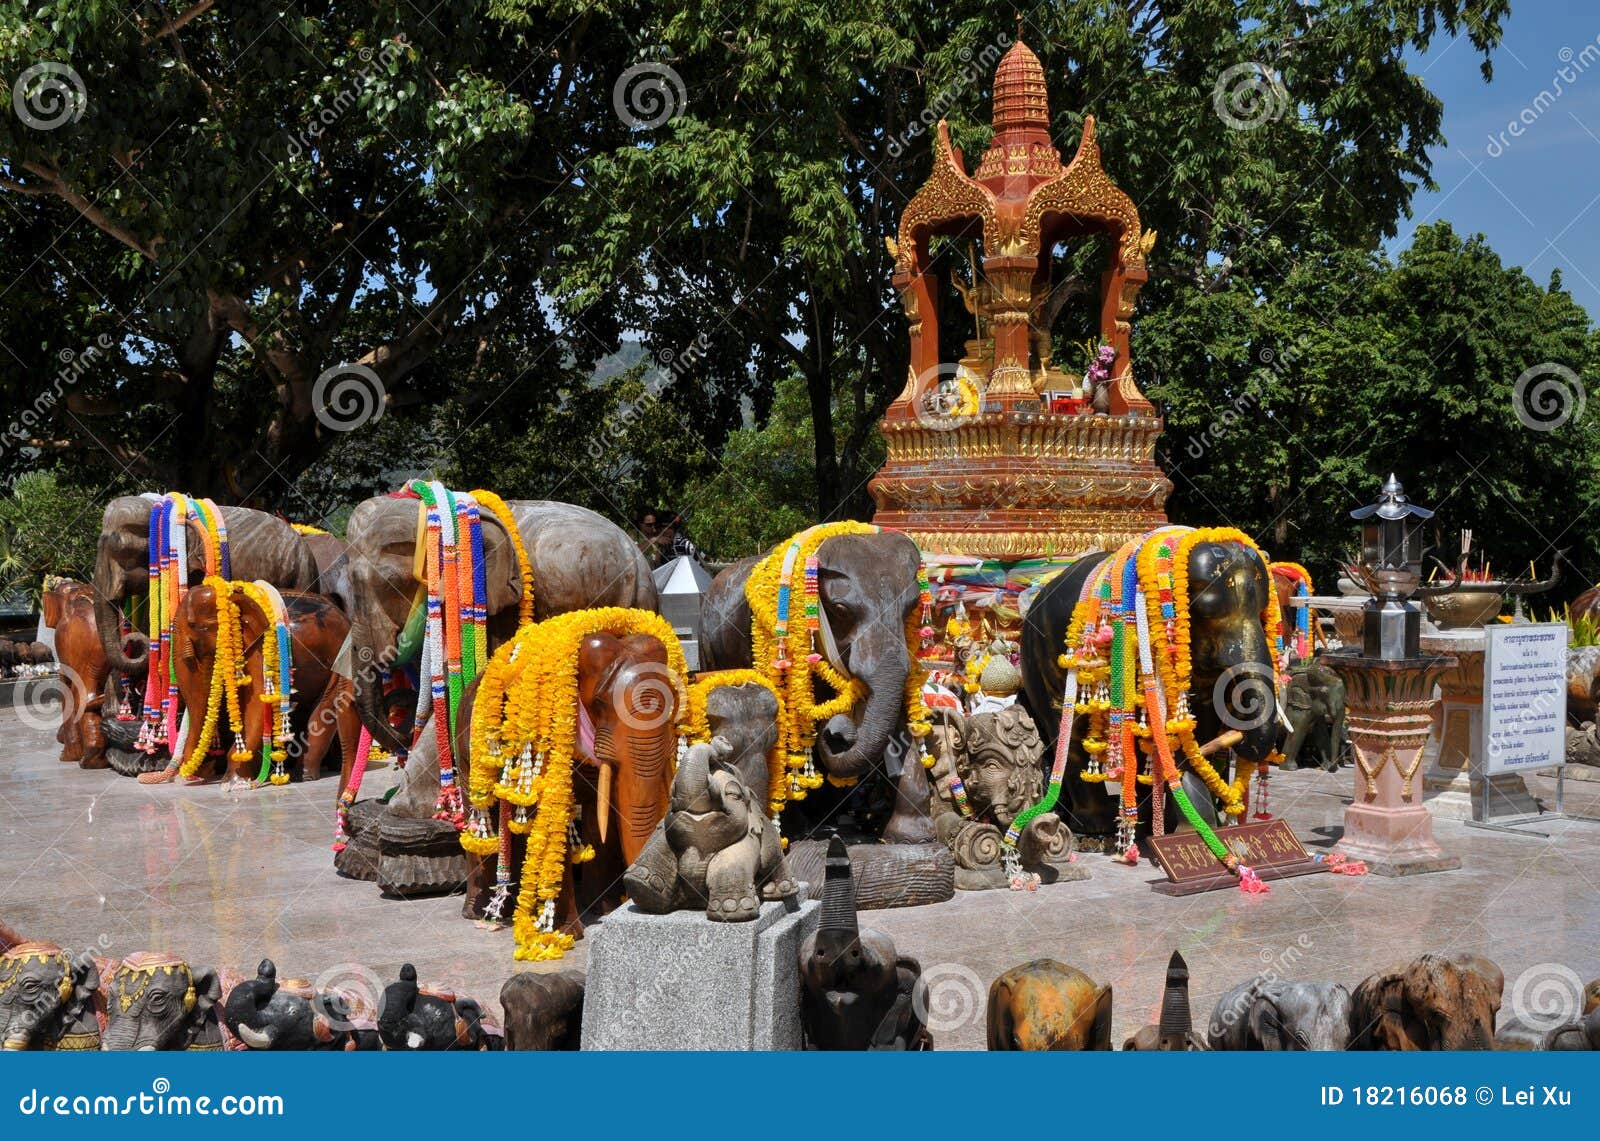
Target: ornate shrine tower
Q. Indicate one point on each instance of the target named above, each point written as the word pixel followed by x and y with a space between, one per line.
pixel 997 453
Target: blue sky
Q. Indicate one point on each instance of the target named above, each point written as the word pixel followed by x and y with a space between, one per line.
pixel 1536 195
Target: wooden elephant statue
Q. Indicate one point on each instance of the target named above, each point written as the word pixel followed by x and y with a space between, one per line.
pixel 266 1013
pixel 323 708
pixel 1275 1014
pixel 543 1011
pixel 715 849
pixel 69 611
pixel 1047 1005
pixel 157 1001
pixel 48 999
pixel 413 1017
pixel 1435 1002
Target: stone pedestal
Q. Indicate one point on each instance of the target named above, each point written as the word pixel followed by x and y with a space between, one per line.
pixel 682 982
pixel 1454 787
pixel 1389 708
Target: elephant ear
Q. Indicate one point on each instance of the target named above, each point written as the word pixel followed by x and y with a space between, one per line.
pixel 85 979
pixel 1100 1033
pixel 1266 1027
pixel 502 574
pixel 999 1032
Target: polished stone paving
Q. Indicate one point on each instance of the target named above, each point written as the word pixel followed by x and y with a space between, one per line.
pixel 93 860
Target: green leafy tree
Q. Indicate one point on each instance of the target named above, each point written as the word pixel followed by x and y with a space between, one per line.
pixel 47 526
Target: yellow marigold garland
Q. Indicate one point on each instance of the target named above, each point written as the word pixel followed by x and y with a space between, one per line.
pixel 227 672
pixel 307 529
pixel 770 590
pixel 524 734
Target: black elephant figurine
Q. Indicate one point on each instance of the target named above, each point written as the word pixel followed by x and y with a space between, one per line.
pixel 1435 1002
pixel 543 1012
pixel 1174 1031
pixel 715 848
pixel 1314 705
pixel 266 1013
pixel 158 1001
pixel 412 1017
pixel 48 999
pixel 857 993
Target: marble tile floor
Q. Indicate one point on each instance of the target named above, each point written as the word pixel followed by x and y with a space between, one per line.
pixel 94 860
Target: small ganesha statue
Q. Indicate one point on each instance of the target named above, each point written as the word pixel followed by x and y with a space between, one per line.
pixel 986 771
pixel 715 849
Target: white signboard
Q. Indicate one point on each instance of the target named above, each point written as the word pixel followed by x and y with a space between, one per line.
pixel 1524 696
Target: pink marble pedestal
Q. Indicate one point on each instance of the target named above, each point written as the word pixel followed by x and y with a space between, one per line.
pixel 1389 710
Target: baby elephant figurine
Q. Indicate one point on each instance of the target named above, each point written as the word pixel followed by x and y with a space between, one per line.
pixel 715 849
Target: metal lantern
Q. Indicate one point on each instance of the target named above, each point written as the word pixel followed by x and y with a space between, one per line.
pixel 1391 559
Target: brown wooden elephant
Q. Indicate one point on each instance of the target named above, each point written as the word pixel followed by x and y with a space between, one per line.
pixel 616 678
pixel 69 611
pixel 1435 1002
pixel 1046 1005
pixel 323 709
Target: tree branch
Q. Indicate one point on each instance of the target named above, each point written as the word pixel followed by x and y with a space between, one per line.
pixel 101 220
pixel 178 21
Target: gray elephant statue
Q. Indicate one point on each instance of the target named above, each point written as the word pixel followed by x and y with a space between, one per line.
pixel 1275 1014
pixel 48 999
pixel 987 768
pixel 856 992
pixel 1314 705
pixel 543 1011
pixel 715 848
pixel 159 1002
pixel 268 1013
pixel 1435 1002
pixel 1583 1034
pixel 413 1017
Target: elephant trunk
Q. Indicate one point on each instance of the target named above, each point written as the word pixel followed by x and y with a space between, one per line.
pixel 1238 691
pixel 838 892
pixel 372 638
pixel 644 757
pixel 108 621
pixel 882 661
pixel 21 1031
pixel 128 1033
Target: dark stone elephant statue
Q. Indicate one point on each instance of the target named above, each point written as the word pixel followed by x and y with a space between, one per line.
pixel 413 1017
pixel 268 1013
pixel 260 546
pixel 867 592
pixel 1314 705
pixel 578 559
pixel 322 710
pixel 1435 1002
pixel 857 993
pixel 1047 1005
pixel 1276 1014
pixel 1229 588
pixel 48 999
pixel 157 1001
pixel 715 849
pixel 543 1011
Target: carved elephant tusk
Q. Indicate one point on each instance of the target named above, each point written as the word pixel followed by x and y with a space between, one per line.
pixel 1224 740
pixel 602 804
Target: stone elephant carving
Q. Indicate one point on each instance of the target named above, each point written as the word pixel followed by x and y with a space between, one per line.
pixel 856 992
pixel 1314 705
pixel 322 710
pixel 48 999
pixel 543 1011
pixel 715 848
pixel 1434 1002
pixel 621 788
pixel 1274 1014
pixel 412 1017
pixel 157 1001
pixel 578 558
pixel 867 590
pixel 1582 1034
pixel 260 546
pixel 1229 590
pixel 69 611
pixel 987 769
pixel 1047 1005
pixel 332 555
pixel 266 1013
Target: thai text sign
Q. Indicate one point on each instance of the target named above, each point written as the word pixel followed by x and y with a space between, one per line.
pixel 1184 855
pixel 1524 696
